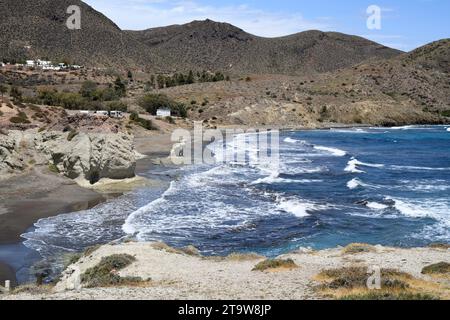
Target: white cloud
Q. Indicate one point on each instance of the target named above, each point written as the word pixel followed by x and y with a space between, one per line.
pixel 143 14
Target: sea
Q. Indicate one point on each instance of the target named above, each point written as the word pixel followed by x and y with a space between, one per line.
pixel 387 186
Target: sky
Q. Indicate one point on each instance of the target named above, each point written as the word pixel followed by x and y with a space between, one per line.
pixel 404 24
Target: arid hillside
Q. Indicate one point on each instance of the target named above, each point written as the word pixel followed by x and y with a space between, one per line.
pixel 37 29
pixel 212 45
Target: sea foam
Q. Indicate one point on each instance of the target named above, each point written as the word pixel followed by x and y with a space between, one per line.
pixel 334 151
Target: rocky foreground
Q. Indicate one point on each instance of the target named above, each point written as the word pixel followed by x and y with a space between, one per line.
pixel 157 271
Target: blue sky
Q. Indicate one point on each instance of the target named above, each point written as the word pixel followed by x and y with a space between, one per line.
pixel 405 25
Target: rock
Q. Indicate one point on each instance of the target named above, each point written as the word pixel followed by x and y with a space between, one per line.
pixel 10 158
pixel 86 158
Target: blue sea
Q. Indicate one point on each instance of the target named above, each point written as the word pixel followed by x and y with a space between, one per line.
pixel 388 186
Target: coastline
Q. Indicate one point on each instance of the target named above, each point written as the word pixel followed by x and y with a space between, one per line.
pixel 27 198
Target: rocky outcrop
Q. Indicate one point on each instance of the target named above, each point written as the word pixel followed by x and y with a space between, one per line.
pixel 10 159
pixel 84 157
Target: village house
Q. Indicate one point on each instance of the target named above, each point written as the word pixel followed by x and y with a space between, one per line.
pixel 163 112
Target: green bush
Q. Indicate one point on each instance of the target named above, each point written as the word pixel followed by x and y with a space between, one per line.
pixel 144 123
pixel 274 264
pixel 105 273
pixel 437 268
pixel 53 168
pixel 20 118
pixel 446 113
pixel 116 106
pixel 152 102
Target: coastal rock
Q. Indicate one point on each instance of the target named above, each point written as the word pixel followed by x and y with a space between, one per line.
pixel 10 159
pixel 90 156
pixel 84 157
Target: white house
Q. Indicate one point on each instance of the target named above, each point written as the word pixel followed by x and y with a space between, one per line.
pixel 30 63
pixel 163 112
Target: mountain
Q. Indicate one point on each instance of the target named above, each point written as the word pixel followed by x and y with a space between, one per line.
pixel 37 29
pixel 212 45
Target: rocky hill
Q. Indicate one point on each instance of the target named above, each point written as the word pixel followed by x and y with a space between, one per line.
pixel 37 29
pixel 212 45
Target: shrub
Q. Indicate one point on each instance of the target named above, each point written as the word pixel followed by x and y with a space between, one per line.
pixel 117 106
pixel 105 273
pixel 437 268
pixel 88 89
pixel 144 123
pixel 275 264
pixel 446 113
pixel 356 277
pixel 382 295
pixel 444 246
pixel 170 120
pixel 355 248
pixel 20 118
pixel 72 134
pixel 152 102
pixel 53 168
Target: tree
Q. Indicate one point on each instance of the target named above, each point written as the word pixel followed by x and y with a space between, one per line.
pixel 190 77
pixel 3 90
pixel 120 87
pixel 15 93
pixel 161 81
pixel 88 89
pixel 130 75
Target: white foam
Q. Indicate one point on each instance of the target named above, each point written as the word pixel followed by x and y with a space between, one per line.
pixel 448 129
pixel 290 140
pixel 334 151
pixel 352 167
pixel 437 209
pixel 376 206
pixel 353 184
pixel 295 207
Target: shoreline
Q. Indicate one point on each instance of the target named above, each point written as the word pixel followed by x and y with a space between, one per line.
pixel 30 197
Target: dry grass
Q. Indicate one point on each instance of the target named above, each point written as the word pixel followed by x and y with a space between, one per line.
pixel 350 283
pixel 356 248
pixel 437 268
pixel 32 289
pixel 275 265
pixel 189 250
pixel 444 246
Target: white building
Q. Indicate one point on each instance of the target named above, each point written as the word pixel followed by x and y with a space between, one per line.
pixel 163 112
pixel 30 63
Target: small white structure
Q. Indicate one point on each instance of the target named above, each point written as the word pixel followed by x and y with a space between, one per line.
pixel 102 113
pixel 163 112
pixel 116 114
pixel 30 63
pixel 44 63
